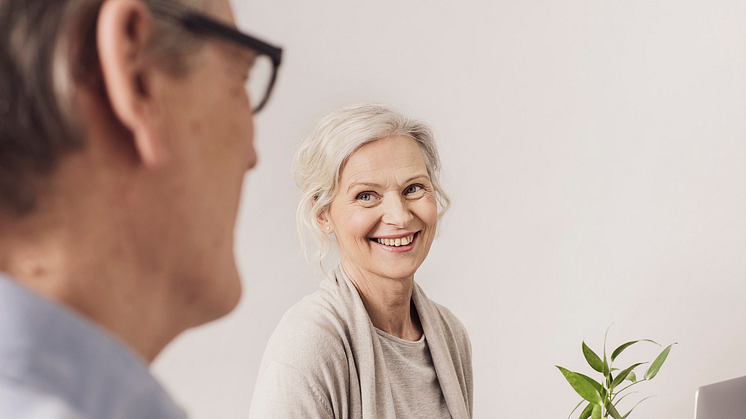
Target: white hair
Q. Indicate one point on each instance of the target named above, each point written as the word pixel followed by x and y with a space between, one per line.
pixel 322 156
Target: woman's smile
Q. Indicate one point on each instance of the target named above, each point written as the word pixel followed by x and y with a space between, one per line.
pixel 397 243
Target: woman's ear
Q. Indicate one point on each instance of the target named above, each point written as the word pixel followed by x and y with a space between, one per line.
pixel 124 31
pixel 324 222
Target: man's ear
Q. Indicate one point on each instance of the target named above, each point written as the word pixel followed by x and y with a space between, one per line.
pixel 124 31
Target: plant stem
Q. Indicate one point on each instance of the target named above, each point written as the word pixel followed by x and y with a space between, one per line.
pixel 607 385
pixel 620 391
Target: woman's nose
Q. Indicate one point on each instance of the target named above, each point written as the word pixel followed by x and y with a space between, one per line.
pixel 397 213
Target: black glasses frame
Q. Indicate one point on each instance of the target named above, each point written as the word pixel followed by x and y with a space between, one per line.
pixel 201 23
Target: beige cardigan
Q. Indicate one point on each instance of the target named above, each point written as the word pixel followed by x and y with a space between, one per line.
pixel 324 359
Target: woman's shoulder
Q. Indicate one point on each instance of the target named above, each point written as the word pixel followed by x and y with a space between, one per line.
pixel 304 369
pixel 452 327
pixel 311 334
pixel 319 315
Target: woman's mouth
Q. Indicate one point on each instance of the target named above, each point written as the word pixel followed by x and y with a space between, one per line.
pixel 398 242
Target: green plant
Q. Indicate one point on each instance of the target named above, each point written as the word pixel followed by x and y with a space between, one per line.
pixel 603 397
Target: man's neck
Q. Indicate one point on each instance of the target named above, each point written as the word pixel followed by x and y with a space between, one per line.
pixel 89 267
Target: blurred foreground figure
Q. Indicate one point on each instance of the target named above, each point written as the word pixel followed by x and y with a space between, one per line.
pixel 125 133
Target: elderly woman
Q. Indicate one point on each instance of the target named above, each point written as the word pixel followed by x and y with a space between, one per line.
pixel 369 343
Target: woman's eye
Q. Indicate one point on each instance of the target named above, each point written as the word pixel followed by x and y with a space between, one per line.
pixel 365 196
pixel 413 189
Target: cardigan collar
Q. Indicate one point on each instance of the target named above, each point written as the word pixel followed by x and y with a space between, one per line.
pixel 374 385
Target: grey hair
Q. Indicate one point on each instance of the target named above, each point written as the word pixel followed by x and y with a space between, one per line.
pixel 322 156
pixel 46 48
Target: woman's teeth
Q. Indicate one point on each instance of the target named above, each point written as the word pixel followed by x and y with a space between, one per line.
pixel 397 242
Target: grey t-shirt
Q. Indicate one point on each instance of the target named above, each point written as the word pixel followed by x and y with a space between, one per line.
pixel 414 384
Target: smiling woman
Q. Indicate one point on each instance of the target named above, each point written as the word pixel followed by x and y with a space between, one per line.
pixel 322 156
pixel 369 343
pixel 385 197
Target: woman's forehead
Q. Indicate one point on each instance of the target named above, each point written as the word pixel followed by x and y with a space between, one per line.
pixel 389 152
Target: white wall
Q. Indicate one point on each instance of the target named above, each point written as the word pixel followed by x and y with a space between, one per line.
pixel 595 151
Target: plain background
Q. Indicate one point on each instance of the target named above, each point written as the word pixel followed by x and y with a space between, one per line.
pixel 595 153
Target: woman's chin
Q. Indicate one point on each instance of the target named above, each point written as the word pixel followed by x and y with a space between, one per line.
pixel 398 274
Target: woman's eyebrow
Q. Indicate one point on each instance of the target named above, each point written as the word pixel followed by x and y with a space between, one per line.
pixel 424 176
pixel 376 185
pixel 372 185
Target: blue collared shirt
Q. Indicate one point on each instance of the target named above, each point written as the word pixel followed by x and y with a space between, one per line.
pixel 55 364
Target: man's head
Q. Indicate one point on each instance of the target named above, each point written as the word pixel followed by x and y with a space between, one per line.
pixel 48 48
pixel 113 117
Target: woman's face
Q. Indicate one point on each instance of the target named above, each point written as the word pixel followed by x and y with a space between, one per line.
pixel 385 212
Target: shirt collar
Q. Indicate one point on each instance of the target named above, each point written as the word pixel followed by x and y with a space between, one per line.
pixel 57 351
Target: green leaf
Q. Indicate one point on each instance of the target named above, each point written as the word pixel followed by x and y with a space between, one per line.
pixel 632 377
pixel 582 386
pixel 658 363
pixel 623 375
pixel 595 384
pixel 593 360
pixel 596 412
pixel 606 371
pixel 621 348
pixel 606 366
pixel 612 411
pixel 587 411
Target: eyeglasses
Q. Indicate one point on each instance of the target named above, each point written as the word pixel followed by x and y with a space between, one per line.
pixel 263 71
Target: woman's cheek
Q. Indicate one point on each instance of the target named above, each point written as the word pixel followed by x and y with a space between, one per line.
pixel 430 210
pixel 361 225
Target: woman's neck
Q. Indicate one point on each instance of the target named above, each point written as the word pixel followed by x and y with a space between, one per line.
pixel 388 302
